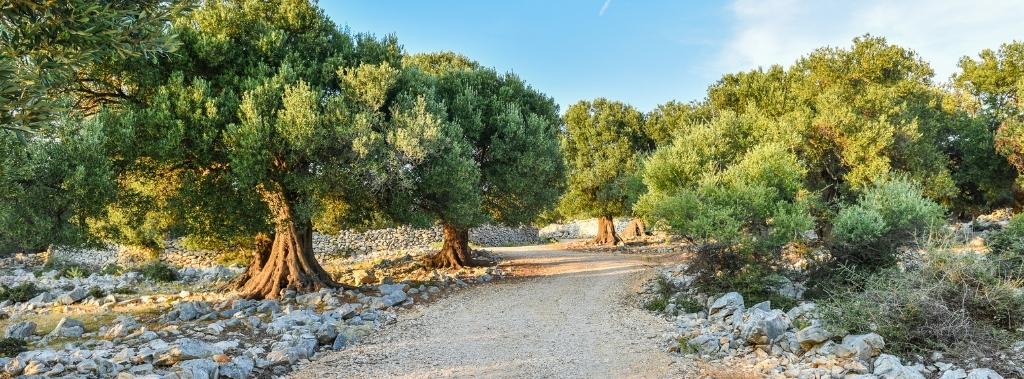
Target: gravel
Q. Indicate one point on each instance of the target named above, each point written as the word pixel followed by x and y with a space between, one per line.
pixel 569 316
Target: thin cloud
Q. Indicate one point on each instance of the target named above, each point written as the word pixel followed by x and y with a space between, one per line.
pixel 770 32
pixel 604 7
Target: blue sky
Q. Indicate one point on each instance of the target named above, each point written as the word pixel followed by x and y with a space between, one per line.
pixel 648 52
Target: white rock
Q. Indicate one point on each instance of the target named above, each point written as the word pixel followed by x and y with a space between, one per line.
pixel 983 373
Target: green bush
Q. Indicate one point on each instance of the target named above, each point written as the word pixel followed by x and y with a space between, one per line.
pixel 20 293
pixel 1007 247
pixel 742 215
pixel 10 347
pixel 65 269
pixel 886 216
pixel 954 302
pixel 97 292
pixel 158 271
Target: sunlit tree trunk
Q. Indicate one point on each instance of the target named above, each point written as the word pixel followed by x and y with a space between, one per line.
pixel 606 231
pixel 455 252
pixel 289 263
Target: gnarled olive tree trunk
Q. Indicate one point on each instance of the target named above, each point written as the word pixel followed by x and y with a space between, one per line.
pixel 289 262
pixel 636 229
pixel 455 252
pixel 606 231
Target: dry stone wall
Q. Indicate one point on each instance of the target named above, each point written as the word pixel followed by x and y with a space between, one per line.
pixel 344 243
pixel 578 229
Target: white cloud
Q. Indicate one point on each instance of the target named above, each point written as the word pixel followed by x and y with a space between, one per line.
pixel 767 32
pixel 604 7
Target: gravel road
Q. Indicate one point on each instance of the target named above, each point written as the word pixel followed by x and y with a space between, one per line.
pixel 564 315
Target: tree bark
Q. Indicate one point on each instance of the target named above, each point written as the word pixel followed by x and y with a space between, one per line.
pixel 455 252
pixel 606 232
pixel 289 263
pixel 636 229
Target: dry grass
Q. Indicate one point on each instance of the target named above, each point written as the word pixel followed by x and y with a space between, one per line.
pixel 93 317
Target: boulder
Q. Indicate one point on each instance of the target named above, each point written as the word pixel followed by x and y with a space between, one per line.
pixel 888 366
pixel 123 326
pixel 812 335
pixel 196 369
pixel 21 330
pixel 705 343
pixel 68 327
pixel 240 367
pixel 726 304
pixel 74 296
pixel 187 349
pixel 862 346
pixel 763 327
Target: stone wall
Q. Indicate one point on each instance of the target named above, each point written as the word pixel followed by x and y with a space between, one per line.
pixel 344 242
pixel 578 229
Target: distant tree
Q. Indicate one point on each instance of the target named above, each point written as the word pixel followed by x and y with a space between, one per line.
pixel 60 61
pixel 995 81
pixel 503 162
pixel 603 146
pixel 72 55
pixel 673 117
pixel 858 114
pixel 53 185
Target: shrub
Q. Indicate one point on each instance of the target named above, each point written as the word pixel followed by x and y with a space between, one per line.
pixel 1007 247
pixel 886 216
pixel 97 292
pixel 10 347
pixel 20 293
pixel 742 215
pixel 123 291
pixel 952 301
pixel 65 269
pixel 158 271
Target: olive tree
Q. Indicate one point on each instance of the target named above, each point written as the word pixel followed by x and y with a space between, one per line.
pixel 502 162
pixel 254 133
pixel 602 145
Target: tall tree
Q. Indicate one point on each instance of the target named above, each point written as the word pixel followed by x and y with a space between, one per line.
pixel 255 132
pixel 603 144
pixel 57 56
pixel 502 164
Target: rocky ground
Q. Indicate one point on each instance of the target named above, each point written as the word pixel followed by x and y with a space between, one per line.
pixel 724 337
pixel 127 326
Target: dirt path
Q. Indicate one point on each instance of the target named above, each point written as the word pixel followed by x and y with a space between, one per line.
pixel 566 315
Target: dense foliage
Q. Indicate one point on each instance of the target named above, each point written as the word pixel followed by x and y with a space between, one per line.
pixel 886 216
pixel 603 145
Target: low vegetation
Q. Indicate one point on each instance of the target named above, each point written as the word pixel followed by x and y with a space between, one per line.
pixel 953 302
pixel 19 293
pixel 10 347
pixel 158 271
